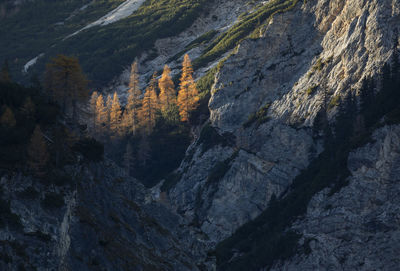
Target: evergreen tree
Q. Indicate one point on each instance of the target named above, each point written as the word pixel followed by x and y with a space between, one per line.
pixel 65 79
pixel 37 152
pixel 147 113
pixel 5 73
pixel 7 118
pixel 188 97
pixel 115 117
pixel 167 91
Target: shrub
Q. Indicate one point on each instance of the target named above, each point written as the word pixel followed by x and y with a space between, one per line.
pixel 220 169
pixel 258 117
pixel 242 29
pixel 335 101
pixel 311 90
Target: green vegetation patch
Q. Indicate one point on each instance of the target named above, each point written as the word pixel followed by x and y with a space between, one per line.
pixel 42 24
pixel 220 169
pixel 202 40
pixel 243 29
pixel 123 40
pixel 258 117
pixel 311 90
pixel 335 101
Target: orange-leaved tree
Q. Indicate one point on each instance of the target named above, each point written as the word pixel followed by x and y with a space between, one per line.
pixel 147 113
pixel 188 97
pixel 129 122
pixel 115 116
pixel 101 115
pixel 167 90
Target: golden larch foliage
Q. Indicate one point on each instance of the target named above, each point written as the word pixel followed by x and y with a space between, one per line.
pixel 129 120
pixel 147 113
pixel 115 116
pixel 167 90
pixel 108 110
pixel 188 97
pixel 101 115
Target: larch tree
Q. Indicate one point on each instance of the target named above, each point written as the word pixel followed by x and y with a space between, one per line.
pixel 108 110
pixel 7 118
pixel 167 90
pixel 147 113
pixel 129 121
pixel 65 79
pixel 101 115
pixel 92 108
pixel 38 155
pixel 115 117
pixel 188 97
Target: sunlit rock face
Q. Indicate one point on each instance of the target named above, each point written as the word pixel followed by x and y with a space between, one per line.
pixel 318 48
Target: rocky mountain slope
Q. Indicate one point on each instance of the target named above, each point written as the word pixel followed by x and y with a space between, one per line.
pixel 356 229
pixel 281 78
pixel 271 68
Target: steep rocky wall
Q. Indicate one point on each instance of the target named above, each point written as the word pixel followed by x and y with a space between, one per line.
pixel 266 96
pixel 101 221
pixel 358 227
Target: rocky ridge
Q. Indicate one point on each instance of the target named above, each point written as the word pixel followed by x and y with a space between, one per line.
pixel 281 78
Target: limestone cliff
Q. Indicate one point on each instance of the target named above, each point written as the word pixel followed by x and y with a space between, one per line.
pixel 266 97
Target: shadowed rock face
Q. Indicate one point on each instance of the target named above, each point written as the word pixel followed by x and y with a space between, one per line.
pixel 103 223
pixel 316 48
pixel 357 228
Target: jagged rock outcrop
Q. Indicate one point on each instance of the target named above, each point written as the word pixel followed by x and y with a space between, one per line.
pixel 267 95
pixel 101 221
pixel 358 227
